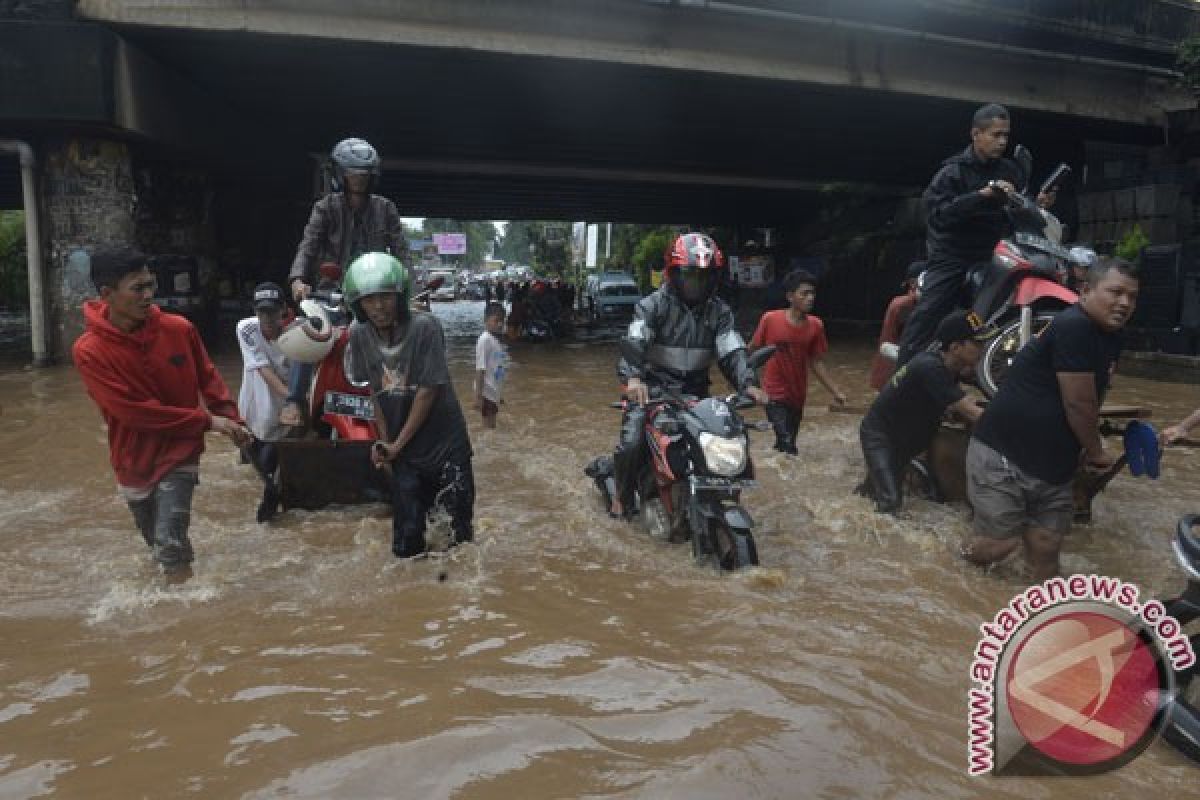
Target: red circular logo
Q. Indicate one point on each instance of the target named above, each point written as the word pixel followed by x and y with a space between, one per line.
pixel 1083 688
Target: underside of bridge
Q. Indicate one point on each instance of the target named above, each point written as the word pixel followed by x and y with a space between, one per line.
pixel 199 127
pixel 479 135
pixel 617 109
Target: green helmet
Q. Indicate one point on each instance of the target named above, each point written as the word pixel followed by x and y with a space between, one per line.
pixel 373 273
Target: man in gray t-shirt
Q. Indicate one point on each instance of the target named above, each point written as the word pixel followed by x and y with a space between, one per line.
pixel 401 354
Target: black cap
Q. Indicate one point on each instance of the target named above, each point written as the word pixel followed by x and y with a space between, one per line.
pixel 961 326
pixel 268 295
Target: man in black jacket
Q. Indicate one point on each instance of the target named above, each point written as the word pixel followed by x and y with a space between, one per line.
pixel 677 332
pixel 964 205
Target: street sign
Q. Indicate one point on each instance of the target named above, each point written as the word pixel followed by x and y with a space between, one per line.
pixel 450 244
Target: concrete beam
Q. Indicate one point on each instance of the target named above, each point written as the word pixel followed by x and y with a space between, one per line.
pixel 85 75
pixel 722 38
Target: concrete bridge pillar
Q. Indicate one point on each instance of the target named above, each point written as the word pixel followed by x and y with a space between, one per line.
pixel 88 199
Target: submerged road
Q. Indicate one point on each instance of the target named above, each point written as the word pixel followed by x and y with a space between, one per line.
pixel 564 655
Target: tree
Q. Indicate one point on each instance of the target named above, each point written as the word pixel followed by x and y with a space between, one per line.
pixel 648 254
pixel 14 272
pixel 543 245
pixel 514 246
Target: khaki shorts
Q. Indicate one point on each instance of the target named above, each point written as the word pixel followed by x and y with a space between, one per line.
pixel 1007 499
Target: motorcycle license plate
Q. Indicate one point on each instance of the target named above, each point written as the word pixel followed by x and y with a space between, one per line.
pixel 709 484
pixel 349 405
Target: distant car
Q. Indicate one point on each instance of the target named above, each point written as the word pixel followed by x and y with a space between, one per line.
pixel 611 296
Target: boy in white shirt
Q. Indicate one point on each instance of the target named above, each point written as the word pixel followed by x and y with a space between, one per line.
pixel 491 363
pixel 264 388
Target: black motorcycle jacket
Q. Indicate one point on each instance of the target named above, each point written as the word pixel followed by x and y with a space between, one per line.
pixel 963 225
pixel 677 343
pixel 334 234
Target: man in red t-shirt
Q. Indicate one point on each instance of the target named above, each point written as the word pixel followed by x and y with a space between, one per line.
pixel 800 341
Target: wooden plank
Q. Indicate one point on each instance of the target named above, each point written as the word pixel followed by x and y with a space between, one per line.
pixel 847 409
pixel 1125 412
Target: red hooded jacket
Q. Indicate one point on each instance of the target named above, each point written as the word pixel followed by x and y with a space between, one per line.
pixel 153 387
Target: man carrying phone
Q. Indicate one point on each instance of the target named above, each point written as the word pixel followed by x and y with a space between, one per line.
pixel 965 208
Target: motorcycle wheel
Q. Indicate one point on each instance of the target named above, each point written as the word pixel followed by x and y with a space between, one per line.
pixel 1002 348
pixel 655 519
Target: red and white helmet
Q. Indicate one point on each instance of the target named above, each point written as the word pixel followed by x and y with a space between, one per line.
pixel 694 250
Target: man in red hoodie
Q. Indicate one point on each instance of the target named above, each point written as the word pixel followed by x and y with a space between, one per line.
pixel 158 391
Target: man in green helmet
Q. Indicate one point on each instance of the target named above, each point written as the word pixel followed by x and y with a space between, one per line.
pixel 401 354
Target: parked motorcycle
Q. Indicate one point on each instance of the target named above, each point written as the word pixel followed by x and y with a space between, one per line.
pixel 1182 727
pixel 690 486
pixel 1024 286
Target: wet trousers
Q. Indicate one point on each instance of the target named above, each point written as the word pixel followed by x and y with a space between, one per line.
pixel 163 518
pixel 941 293
pixel 885 469
pixel 630 455
pixel 785 420
pixel 415 492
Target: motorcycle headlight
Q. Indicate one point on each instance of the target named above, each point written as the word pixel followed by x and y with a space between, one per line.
pixel 724 457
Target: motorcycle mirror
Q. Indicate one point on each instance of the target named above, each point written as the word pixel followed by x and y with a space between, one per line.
pixel 1024 160
pixel 1056 179
pixel 761 356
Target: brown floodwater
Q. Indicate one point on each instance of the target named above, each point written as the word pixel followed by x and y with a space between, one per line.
pixel 564 655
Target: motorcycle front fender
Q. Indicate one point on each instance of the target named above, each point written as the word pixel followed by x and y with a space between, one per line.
pixel 738 517
pixel 1034 289
pixel 734 516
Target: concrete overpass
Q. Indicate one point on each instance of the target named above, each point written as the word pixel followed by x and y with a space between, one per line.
pixel 566 107
pixel 191 126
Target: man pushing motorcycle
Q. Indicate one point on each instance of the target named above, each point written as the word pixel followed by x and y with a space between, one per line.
pixel 675 334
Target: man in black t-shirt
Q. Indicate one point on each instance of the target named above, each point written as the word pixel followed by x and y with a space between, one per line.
pixel 906 414
pixel 1044 422
pixel 401 354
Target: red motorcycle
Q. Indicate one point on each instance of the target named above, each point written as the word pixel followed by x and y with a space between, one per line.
pixel 334 467
pixel 1024 286
pixel 690 486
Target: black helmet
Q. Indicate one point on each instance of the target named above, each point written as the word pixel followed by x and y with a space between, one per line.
pixel 354 155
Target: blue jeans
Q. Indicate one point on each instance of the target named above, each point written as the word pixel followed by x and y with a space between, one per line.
pixel 299 377
pixel 164 516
